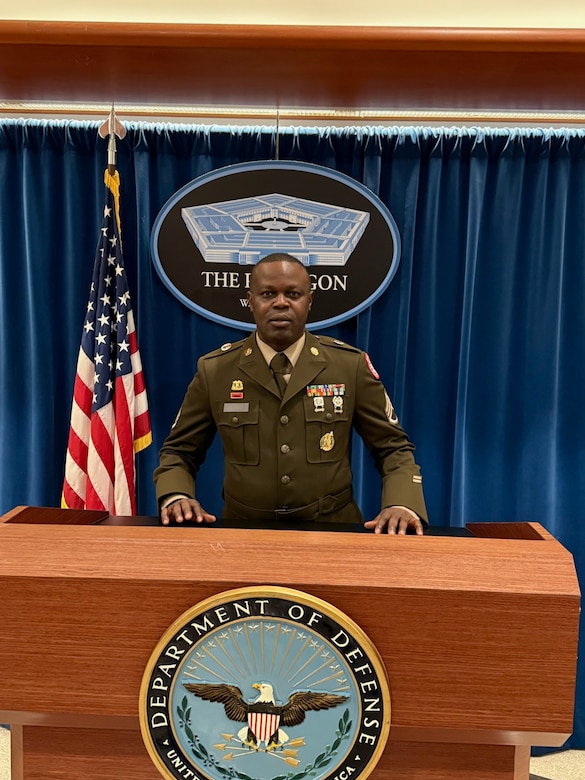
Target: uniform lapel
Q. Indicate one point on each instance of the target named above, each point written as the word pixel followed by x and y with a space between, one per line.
pixel 252 364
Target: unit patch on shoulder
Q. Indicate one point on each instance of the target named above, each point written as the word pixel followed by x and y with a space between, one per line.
pixel 373 371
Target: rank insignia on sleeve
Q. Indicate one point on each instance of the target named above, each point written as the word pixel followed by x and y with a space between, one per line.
pixel 390 411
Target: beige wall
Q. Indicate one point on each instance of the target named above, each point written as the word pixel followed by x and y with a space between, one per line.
pixel 392 13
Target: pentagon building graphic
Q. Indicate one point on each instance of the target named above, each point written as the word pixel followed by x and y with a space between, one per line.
pixel 242 231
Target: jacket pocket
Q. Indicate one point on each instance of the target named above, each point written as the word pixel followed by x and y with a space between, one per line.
pixel 237 424
pixel 326 432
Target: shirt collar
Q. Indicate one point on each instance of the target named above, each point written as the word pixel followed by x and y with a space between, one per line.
pixel 292 352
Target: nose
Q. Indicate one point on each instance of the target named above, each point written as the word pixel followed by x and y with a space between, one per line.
pixel 280 300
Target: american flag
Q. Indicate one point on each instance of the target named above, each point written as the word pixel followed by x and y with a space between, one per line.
pixel 109 416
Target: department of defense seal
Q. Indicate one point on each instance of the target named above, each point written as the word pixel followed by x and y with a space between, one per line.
pixel 264 683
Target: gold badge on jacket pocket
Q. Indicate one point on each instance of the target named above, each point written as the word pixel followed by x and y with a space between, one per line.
pixel 327 442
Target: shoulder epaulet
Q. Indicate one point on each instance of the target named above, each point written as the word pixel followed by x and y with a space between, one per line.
pixel 327 341
pixel 225 349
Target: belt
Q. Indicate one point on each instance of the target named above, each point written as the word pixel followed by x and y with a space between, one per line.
pixel 323 506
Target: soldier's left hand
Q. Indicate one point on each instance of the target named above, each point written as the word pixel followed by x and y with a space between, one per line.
pixel 395 520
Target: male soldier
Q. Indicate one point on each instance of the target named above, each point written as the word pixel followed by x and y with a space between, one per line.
pixel 284 402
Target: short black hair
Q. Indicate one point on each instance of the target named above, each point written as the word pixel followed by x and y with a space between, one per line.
pixel 279 257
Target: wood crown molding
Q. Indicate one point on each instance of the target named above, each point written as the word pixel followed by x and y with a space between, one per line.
pixel 296 36
pixel 330 69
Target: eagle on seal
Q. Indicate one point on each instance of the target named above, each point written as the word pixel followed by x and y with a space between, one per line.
pixel 263 715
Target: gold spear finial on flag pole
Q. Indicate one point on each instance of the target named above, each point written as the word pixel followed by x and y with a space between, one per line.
pixel 111 128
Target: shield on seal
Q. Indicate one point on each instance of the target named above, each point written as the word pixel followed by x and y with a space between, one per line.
pixel 263 724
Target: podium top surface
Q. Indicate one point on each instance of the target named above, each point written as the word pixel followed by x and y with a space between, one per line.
pixel 516 557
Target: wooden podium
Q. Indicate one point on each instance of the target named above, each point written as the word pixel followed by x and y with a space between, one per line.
pixel 478 634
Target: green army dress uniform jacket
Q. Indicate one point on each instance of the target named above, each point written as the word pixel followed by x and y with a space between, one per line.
pixel 289 456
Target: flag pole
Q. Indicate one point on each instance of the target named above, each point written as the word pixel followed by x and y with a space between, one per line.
pixel 111 128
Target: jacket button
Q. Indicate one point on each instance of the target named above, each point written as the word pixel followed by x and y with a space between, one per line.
pixel 235 420
pixel 329 416
pixel 285 480
pixel 285 449
pixel 284 419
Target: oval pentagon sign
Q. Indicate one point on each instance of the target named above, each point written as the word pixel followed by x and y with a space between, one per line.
pixel 210 233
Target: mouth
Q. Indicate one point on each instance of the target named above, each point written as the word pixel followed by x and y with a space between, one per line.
pixel 280 321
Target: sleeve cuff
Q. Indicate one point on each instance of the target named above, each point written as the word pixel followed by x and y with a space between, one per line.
pixel 406 509
pixel 169 499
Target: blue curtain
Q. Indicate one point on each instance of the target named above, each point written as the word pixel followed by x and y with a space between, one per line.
pixel 484 324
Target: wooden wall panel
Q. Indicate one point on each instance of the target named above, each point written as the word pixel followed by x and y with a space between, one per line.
pixel 327 68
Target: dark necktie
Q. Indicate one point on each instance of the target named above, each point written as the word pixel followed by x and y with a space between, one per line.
pixel 280 365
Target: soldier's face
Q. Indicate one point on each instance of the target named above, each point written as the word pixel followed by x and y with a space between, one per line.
pixel 280 298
